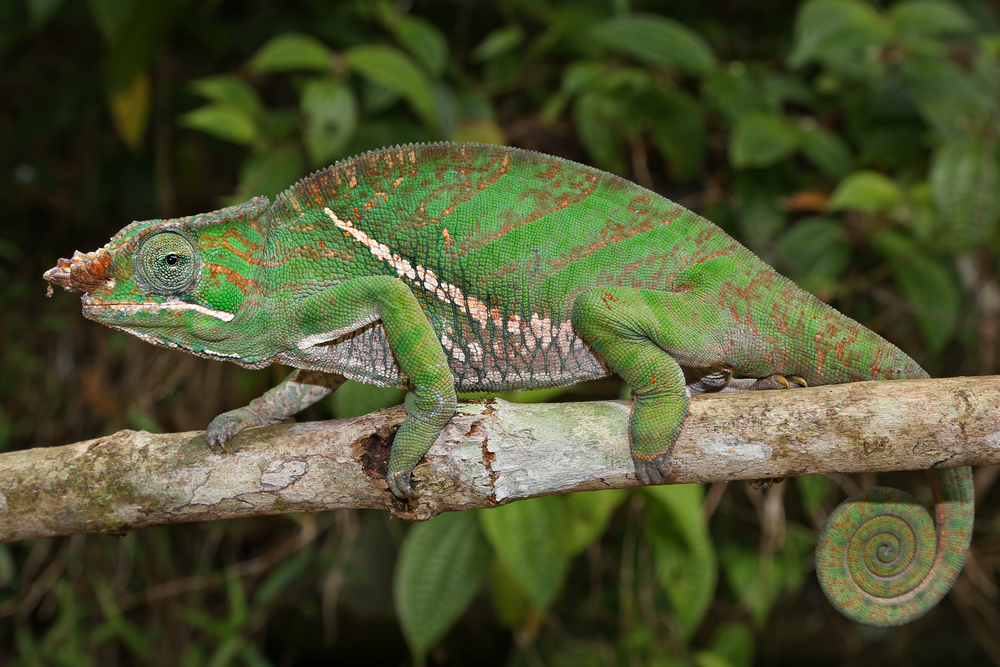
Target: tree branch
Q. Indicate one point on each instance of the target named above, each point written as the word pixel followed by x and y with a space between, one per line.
pixel 492 452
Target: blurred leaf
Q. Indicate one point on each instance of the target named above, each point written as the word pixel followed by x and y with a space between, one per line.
pixel 223 121
pixel 752 577
pixel 924 281
pixel 510 603
pixel 331 114
pixel 597 117
pixel 966 186
pixel 828 29
pixel 930 17
pixel 734 643
pixel 951 99
pixel 813 489
pixel 685 557
pixel 390 67
pixel 267 173
pixel 439 570
pixel 827 151
pixel 526 536
pixel 292 51
pixel 424 41
pixel 111 16
pixel 40 11
pixel 481 131
pixel 281 577
pixel 586 516
pixel 229 90
pixel 816 249
pixel 497 43
pixel 761 140
pixel 710 659
pixel 866 191
pixel 130 110
pixel 655 40
pixel 678 131
pixel 734 92
pixel 353 399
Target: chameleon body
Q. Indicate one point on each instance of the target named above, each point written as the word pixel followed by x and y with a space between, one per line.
pixel 444 267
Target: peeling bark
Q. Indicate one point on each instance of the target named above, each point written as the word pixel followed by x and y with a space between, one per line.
pixel 492 452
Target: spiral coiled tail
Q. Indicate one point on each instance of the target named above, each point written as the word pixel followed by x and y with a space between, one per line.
pixel 880 558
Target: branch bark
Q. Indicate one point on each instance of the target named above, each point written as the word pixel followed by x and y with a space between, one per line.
pixel 492 452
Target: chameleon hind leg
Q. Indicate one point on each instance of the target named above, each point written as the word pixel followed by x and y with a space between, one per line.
pixel 631 330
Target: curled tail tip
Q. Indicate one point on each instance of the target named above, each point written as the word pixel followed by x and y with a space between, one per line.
pixel 882 561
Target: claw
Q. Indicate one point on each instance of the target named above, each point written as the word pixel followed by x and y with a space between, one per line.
pixel 780 379
pixel 399 484
pixel 653 471
pixel 798 379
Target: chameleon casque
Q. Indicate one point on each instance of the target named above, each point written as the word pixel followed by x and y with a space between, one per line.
pixel 444 267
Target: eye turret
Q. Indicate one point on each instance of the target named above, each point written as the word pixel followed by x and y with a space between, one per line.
pixel 167 264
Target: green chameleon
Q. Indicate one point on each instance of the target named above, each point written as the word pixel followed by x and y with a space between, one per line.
pixel 459 267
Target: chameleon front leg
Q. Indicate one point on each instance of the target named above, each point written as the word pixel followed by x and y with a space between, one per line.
pixel 631 331
pixel 295 393
pixel 417 350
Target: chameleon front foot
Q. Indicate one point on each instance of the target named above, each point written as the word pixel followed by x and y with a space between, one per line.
pixel 400 484
pixel 653 471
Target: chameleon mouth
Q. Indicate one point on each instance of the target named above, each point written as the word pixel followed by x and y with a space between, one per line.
pixel 96 306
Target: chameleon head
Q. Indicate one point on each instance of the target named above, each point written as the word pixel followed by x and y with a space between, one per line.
pixel 177 283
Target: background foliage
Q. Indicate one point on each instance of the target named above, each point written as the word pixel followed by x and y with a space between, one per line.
pixel 851 144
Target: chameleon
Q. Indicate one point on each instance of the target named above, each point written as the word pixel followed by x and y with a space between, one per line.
pixel 449 267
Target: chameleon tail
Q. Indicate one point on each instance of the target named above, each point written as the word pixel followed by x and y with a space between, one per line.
pixel 880 560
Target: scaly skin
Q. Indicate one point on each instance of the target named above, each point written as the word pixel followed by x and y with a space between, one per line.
pixel 445 267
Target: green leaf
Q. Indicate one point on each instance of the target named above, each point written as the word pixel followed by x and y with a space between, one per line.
pixel 655 40
pixel 827 151
pixel 734 643
pixel 267 173
pixel 813 489
pixel 952 99
pixel 930 17
pixel 497 43
pixel 817 251
pixel 753 579
pixel 292 51
pixel 866 191
pixel 393 69
pixel 827 30
pixel 40 11
pixel 762 140
pixel 685 557
pixel 281 577
pixel 926 284
pixel 679 132
pixel 597 117
pixel 331 114
pixel 229 90
pixel 526 536
pixel 510 602
pixel 965 183
pixel 354 399
pixel 585 517
pixel 440 568
pixel 223 121
pixel 424 41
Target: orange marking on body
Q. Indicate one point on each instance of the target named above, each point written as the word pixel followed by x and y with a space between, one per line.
pixel 356 214
pixel 447 236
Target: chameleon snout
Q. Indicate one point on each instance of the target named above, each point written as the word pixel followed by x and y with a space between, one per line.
pixel 83 272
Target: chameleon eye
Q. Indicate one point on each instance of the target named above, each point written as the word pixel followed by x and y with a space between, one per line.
pixel 167 264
